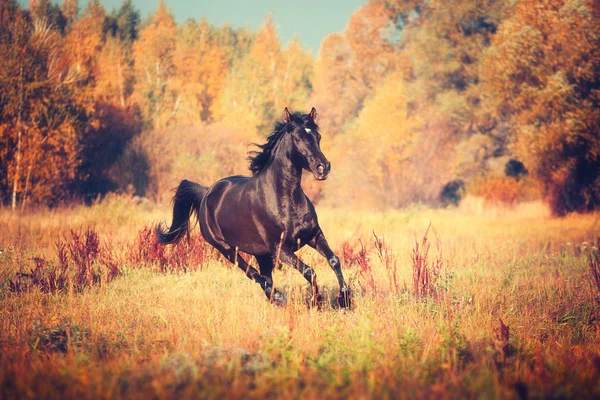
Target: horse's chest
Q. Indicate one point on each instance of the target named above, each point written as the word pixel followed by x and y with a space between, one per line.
pixel 302 227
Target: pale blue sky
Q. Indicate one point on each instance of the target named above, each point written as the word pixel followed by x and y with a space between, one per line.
pixel 311 20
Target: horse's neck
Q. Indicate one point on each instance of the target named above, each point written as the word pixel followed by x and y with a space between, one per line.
pixel 284 175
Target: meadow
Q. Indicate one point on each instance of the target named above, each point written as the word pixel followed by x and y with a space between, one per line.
pixel 511 308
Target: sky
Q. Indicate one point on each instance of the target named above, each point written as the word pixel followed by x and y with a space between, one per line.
pixel 311 20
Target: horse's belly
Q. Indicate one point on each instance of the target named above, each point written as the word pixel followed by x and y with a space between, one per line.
pixel 244 236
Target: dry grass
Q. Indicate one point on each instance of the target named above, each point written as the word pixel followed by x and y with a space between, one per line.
pixel 519 316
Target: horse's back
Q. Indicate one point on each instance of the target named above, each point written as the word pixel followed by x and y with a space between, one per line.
pixel 227 214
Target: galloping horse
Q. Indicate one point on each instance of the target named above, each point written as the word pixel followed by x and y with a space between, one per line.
pixel 266 215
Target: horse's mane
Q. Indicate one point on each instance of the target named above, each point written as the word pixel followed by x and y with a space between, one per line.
pixel 259 159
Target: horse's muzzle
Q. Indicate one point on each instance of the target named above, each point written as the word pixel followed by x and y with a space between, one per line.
pixel 321 172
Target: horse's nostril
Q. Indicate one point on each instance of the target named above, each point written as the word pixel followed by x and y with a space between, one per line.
pixel 320 168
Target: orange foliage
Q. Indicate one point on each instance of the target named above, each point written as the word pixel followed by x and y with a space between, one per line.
pixel 351 65
pixel 498 190
pixel 542 68
pixel 201 72
pixel 412 95
pixel 154 69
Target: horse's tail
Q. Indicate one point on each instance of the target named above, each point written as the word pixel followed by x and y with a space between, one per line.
pixel 185 203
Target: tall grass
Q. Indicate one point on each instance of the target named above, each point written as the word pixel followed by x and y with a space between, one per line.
pixel 520 314
pixel 81 262
pixel 425 271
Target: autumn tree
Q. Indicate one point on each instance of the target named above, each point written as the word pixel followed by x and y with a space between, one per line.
pixel 351 64
pixel 542 74
pixel 50 13
pixel 446 42
pixel 70 11
pixel 295 76
pixel 252 92
pixel 201 71
pixel 332 77
pixel 234 43
pixel 40 120
pixel 375 153
pixel 155 68
pixel 82 46
pixel 116 118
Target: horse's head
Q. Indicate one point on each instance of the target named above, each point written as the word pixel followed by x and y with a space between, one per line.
pixel 306 142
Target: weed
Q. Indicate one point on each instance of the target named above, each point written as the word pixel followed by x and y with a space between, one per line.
pixel 183 256
pixel 425 272
pixel 390 263
pixel 81 262
pixel 361 260
pixel 594 264
pixel 56 339
pixel 501 342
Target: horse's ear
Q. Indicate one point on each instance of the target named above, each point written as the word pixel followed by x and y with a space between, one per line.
pixel 288 117
pixel 313 114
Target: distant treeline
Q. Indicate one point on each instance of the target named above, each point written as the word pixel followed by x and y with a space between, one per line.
pixel 419 101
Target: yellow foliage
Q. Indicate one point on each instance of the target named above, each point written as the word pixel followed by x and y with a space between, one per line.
pixel 378 147
pixel 498 190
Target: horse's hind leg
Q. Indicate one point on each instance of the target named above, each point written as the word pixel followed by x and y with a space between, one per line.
pixel 266 265
pixel 265 282
pixel 265 262
pixel 288 257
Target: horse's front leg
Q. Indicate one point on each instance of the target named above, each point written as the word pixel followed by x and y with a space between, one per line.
pixel 319 243
pixel 287 256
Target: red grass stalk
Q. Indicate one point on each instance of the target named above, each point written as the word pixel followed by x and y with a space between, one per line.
pixel 183 256
pixel 82 262
pixel 360 259
pixel 425 272
pixel 594 263
pixel 390 263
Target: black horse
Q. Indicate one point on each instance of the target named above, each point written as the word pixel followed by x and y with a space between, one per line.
pixel 267 215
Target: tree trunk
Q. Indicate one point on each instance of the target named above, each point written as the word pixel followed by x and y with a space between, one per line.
pixel 17 170
pixel 27 178
pixel 29 170
pixel 17 176
pixel 121 82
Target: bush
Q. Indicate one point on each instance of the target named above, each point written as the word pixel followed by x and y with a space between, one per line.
pixel 499 190
pixel 156 161
pixel 515 169
pixel 81 262
pixel 452 193
pixel 183 256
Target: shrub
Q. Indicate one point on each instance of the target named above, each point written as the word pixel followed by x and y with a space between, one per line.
pixel 425 272
pixel 359 258
pixel 594 263
pixel 389 262
pixel 190 253
pixel 81 262
pixel 499 190
pixel 515 169
pixel 452 193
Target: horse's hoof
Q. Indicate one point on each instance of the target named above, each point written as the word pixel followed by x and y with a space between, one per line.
pixel 279 299
pixel 344 299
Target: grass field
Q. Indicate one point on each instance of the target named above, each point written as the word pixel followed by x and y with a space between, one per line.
pixel 513 313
